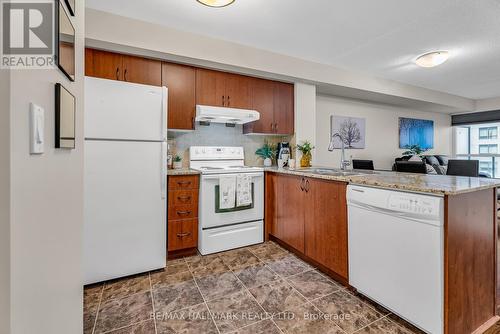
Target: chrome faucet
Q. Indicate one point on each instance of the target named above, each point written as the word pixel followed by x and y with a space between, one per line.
pixel 343 162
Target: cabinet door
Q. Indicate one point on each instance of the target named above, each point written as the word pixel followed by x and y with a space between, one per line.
pixel 106 65
pixel 89 62
pixel 210 88
pixel 284 108
pixel 180 81
pixel 263 102
pixel 291 209
pixel 270 210
pixel 142 70
pixel 238 91
pixel 182 234
pixel 326 224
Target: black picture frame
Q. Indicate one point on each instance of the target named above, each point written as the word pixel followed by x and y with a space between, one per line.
pixel 64 43
pixel 61 114
pixel 70 4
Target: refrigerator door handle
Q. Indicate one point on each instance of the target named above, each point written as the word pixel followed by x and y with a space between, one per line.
pixel 163 170
pixel 164 112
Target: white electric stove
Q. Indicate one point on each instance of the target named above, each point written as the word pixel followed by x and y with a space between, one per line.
pixel 224 229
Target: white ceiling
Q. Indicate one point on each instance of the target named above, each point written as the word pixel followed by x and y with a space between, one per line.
pixel 379 37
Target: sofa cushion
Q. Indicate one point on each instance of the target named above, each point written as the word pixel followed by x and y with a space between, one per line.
pixel 430 169
pixel 432 160
pixel 443 160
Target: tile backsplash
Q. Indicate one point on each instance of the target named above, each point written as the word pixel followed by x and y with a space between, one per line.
pixel 220 135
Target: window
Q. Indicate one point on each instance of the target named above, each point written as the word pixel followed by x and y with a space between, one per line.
pixel 486 149
pixel 479 142
pixel 486 167
pixel 490 132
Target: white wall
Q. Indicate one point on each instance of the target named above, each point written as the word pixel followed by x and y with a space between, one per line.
pixel 305 115
pixel 382 135
pixel 46 207
pixel 488 104
pixel 4 201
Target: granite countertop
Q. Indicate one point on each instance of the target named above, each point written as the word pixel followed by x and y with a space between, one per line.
pixel 182 171
pixel 434 184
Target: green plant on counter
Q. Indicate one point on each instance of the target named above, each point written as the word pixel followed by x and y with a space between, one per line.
pixel 412 150
pixel 306 147
pixel 177 158
pixel 267 151
pixel 306 150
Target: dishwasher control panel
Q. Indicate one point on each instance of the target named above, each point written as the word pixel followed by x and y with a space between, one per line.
pixel 423 205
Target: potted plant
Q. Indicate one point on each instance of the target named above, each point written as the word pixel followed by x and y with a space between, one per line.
pixel 267 153
pixel 177 164
pixel 412 150
pixel 306 149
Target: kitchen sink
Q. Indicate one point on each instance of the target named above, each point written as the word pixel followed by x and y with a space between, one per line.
pixel 334 171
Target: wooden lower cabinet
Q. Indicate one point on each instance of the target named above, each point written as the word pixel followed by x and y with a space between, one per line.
pixel 290 212
pixel 309 215
pixel 182 234
pixel 182 231
pixel 326 224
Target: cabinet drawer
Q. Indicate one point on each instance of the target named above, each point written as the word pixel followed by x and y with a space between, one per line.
pixel 182 234
pixel 182 212
pixel 182 197
pixel 183 182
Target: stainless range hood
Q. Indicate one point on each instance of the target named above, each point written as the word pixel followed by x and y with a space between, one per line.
pixel 209 114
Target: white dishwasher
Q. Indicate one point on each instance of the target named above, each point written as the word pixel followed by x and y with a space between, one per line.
pixel 396 252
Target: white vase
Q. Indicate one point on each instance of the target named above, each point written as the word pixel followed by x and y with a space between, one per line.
pixel 268 162
pixel 177 164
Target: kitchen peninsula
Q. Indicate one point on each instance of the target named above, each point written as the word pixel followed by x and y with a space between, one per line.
pixel 307 212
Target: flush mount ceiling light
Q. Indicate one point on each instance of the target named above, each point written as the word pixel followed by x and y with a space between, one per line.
pixel 432 59
pixel 216 3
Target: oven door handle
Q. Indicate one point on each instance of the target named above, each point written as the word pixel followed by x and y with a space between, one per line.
pixel 217 176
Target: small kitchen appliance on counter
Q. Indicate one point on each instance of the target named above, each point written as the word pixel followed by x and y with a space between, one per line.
pixel 231 204
pixel 284 152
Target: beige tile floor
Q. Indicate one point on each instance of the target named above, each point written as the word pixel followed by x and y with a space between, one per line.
pixel 257 289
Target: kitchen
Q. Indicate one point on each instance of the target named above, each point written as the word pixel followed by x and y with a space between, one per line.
pixel 296 200
pixel 178 220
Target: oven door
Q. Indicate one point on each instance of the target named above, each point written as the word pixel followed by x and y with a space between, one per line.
pixel 212 216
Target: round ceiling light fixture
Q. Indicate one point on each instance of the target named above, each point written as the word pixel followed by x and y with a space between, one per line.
pixel 432 59
pixel 216 3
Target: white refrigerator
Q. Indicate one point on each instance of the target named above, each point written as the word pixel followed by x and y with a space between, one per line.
pixel 125 179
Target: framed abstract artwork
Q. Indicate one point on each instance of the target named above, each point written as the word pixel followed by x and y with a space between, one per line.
pixel 416 132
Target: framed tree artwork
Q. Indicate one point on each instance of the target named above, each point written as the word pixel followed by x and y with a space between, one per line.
pixel 351 129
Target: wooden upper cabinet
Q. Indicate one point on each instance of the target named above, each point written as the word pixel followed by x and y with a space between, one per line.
pixel 142 70
pixel 220 89
pixel 326 224
pixel 284 113
pixel 238 91
pixel 210 88
pixel 263 102
pixel 89 62
pixel 103 64
pixel 180 81
pixel 189 86
pixel 275 103
pixel 115 66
